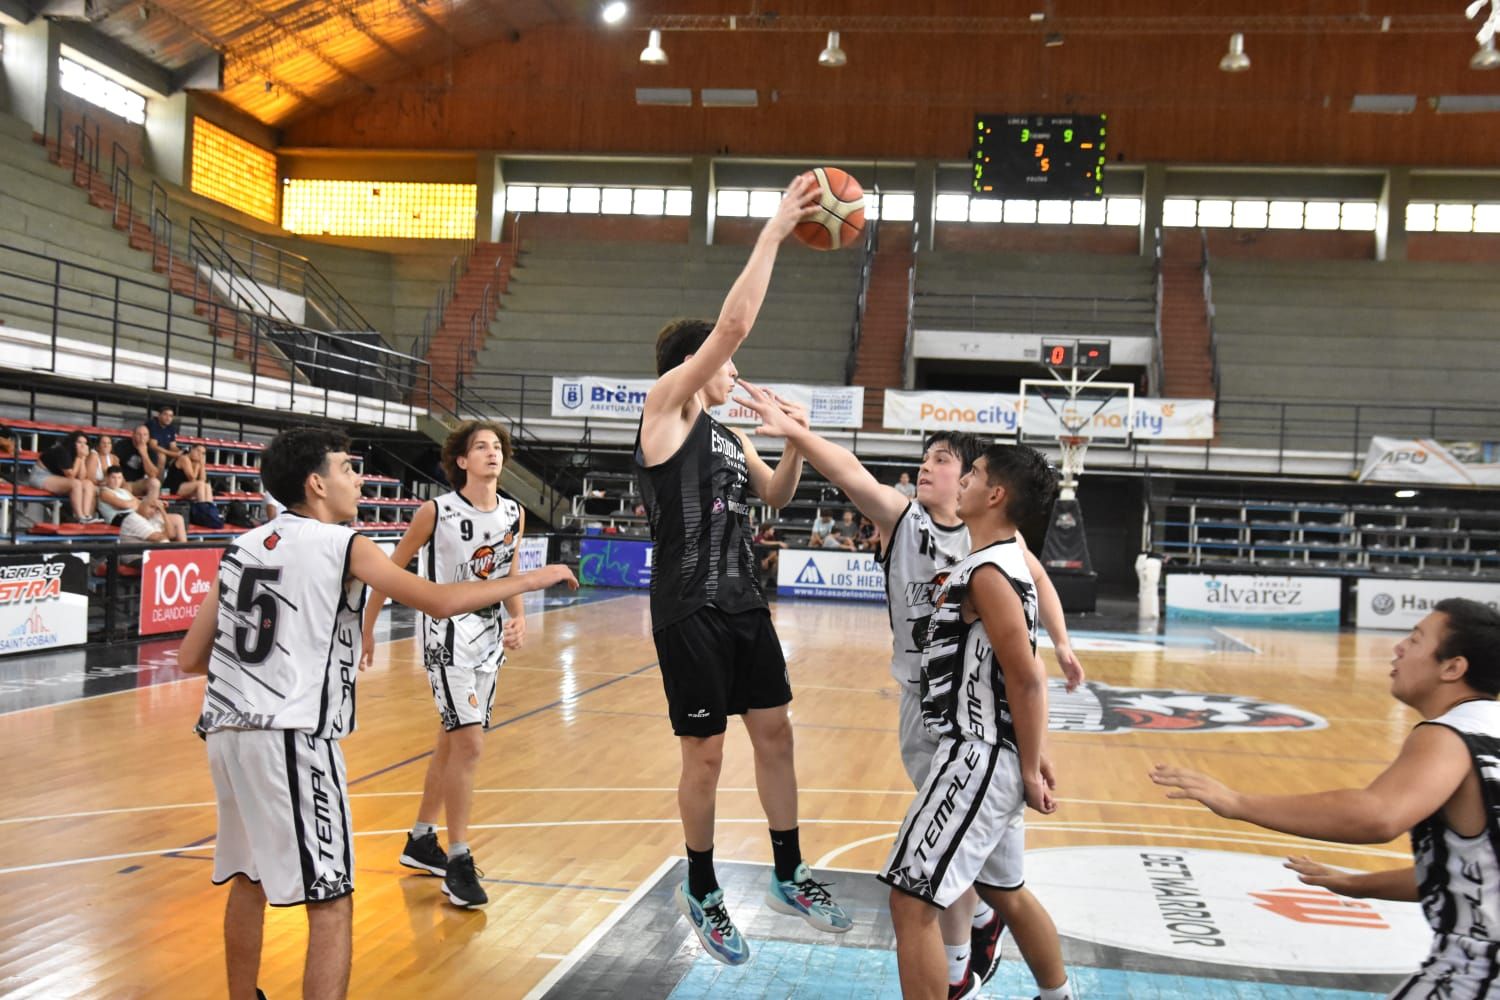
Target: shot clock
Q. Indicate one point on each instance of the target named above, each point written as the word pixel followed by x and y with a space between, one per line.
pixel 1040 156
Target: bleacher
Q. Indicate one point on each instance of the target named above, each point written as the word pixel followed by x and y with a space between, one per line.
pixel 595 308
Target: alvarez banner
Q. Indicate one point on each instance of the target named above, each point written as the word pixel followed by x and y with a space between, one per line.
pixel 1257 600
pixel 830 573
pixel 1422 460
pixel 44 601
pixel 623 398
pixel 1398 605
pixel 999 413
pixel 174 583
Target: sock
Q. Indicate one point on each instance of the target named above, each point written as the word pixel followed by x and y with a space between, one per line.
pixel 457 849
pixel 420 829
pixel 1057 992
pixel 983 914
pixel 787 850
pixel 958 961
pixel 701 877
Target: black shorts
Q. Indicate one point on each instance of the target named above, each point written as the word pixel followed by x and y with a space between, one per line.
pixel 714 665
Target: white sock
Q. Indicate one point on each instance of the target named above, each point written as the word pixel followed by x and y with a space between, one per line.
pixel 958 961
pixel 983 913
pixel 458 850
pixel 1062 992
pixel 420 829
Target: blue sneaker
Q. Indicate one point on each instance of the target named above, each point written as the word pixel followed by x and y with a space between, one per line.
pixel 720 938
pixel 805 898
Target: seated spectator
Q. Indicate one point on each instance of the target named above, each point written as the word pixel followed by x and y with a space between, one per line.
pixel 164 435
pixel 115 498
pixel 848 526
pixel 60 470
pixel 142 473
pixel 7 441
pixel 150 522
pixel 821 526
pixel 835 539
pixel 100 459
pixel 187 476
pixel 868 536
pixel 906 487
pixel 768 539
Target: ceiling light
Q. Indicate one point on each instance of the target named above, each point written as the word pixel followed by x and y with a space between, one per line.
pixel 653 53
pixel 832 55
pixel 1486 57
pixel 1235 60
pixel 1053 39
pixel 614 12
pixel 1405 494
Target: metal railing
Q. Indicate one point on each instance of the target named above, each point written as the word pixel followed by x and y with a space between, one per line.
pixel 1016 312
pixel 1158 357
pixel 1208 312
pixel 908 358
pixel 861 295
pixel 432 320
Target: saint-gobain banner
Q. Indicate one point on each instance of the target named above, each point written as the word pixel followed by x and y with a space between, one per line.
pixel 532 553
pixel 609 562
pixel 1422 460
pixel 44 601
pixel 623 398
pixel 1000 413
pixel 1400 604
pixel 830 573
pixel 1257 600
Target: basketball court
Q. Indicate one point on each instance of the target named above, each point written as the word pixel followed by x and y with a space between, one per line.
pixel 108 822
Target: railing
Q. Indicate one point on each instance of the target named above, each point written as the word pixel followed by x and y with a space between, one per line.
pixel 432 322
pixel 1158 358
pixel 908 358
pixel 861 295
pixel 1208 312
pixel 1345 428
pixel 1121 315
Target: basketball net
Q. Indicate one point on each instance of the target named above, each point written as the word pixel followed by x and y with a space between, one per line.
pixel 1073 448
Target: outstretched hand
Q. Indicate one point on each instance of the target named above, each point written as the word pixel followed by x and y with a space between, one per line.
pixel 1310 872
pixel 778 417
pixel 1189 784
pixel 800 202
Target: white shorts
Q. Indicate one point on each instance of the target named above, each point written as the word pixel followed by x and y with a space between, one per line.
pixel 917 742
pixel 283 814
pixel 1457 968
pixel 464 696
pixel 964 827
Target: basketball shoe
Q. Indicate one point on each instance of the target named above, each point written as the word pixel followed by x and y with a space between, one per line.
pixel 966 987
pixel 461 883
pixel 803 897
pixel 425 854
pixel 720 938
pixel 984 948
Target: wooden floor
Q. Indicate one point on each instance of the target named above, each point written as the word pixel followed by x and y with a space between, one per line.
pixel 106 895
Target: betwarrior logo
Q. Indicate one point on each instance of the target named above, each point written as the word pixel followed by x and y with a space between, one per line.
pixel 1100 708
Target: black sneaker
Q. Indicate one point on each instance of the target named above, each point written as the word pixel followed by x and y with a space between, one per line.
pixel 461 884
pixel 425 854
pixel 984 949
pixel 259 995
pixel 966 988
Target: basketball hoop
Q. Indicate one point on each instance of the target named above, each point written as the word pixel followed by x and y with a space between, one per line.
pixel 1072 447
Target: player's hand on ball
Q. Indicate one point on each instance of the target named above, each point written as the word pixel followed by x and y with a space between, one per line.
pixel 1310 872
pixel 801 201
pixel 1038 795
pixel 1189 784
pixel 513 633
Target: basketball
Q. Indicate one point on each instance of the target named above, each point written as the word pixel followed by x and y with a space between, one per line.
pixel 841 217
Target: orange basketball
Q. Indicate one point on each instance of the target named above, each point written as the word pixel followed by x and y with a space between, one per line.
pixel 841 217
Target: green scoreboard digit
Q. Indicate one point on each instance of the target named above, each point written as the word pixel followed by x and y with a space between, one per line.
pixel 1040 156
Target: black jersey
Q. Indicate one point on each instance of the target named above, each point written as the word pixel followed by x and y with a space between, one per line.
pixel 700 524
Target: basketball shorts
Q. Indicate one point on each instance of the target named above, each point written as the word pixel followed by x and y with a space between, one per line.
pixel 917 742
pixel 714 665
pixel 964 827
pixel 464 696
pixel 1457 968
pixel 283 814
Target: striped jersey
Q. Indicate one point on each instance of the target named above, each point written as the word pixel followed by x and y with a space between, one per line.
pixel 963 686
pixel 287 644
pixel 918 550
pixel 468 544
pixel 700 526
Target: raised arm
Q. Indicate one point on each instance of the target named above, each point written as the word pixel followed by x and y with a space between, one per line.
pixel 775 486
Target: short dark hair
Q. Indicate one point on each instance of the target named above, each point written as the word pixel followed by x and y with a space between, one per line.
pixel 292 456
pixel 1472 630
pixel 113 469
pixel 678 339
pixel 457 445
pixel 963 444
pixel 1030 481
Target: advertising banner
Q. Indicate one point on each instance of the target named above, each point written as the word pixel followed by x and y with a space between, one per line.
pixel 999 413
pixel 1380 602
pixel 44 601
pixel 1422 460
pixel 532 553
pixel 611 562
pixel 830 573
pixel 174 583
pixel 623 399
pixel 1254 600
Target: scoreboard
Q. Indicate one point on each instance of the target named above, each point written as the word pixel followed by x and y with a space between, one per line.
pixel 1040 156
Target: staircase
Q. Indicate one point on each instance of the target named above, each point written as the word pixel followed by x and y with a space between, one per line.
pixel 882 338
pixel 1186 350
pixel 451 353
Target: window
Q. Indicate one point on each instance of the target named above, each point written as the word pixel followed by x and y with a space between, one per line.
pixel 733 204
pixel 1215 213
pixel 100 91
pixel 896 207
pixel 1179 212
pixel 872 206
pixel 230 170
pixel 616 201
pixel 387 209
pixel 1020 210
pixel 1421 217
pixel 952 208
pixel 679 201
pixel 1123 212
pixel 583 200
pixel 1455 218
pixel 1320 215
pixel 551 199
pixel 1088 213
pixel 1487 218
pixel 1285 215
pixel 986 210
pixel 650 201
pixel 1251 214
pixel 763 204
pixel 1054 213
pixel 520 197
pixel 1358 216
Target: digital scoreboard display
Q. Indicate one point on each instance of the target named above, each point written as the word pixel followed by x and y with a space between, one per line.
pixel 1040 156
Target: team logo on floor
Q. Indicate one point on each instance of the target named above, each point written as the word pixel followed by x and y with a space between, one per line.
pixel 1100 708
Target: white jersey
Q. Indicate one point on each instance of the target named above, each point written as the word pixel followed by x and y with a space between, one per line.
pixel 963 686
pixel 917 551
pixel 287 645
pixel 468 544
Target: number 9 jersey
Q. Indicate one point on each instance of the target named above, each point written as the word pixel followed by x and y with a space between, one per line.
pixel 287 645
pixel 468 544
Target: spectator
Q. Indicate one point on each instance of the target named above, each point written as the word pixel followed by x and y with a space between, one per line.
pixel 847 525
pixel 100 459
pixel 868 538
pixel 142 472
pixel 150 522
pixel 768 546
pixel 7 441
pixel 906 487
pixel 821 526
pixel 115 498
pixel 61 471
pixel 187 476
pixel 835 539
pixel 164 435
